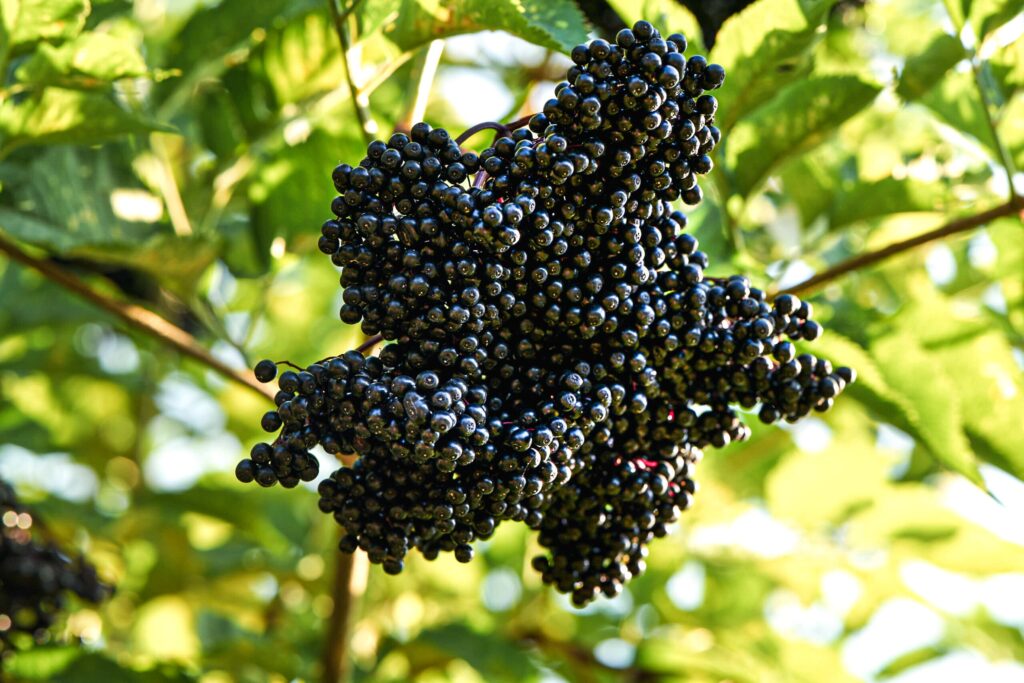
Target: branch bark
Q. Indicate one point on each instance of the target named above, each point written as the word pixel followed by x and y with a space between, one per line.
pixel 349 584
pixel 135 317
pixel 1014 206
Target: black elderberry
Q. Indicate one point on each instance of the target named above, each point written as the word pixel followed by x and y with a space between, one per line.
pixel 36 577
pixel 266 371
pixel 549 326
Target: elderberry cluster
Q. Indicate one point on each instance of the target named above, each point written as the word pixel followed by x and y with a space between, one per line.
pixel 35 578
pixel 555 353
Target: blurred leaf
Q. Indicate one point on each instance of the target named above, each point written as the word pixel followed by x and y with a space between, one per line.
pixel 820 489
pixel 991 395
pixel 73 665
pixel 557 24
pixel 869 200
pixel 935 408
pixel 1007 66
pixel 810 183
pixel 924 70
pixel 911 659
pixel 496 659
pixel 89 61
pixel 799 118
pixel 220 28
pixel 42 663
pixel 988 15
pixel 956 101
pixel 291 189
pixel 29 21
pixel 871 388
pixel 64 204
pixel 57 116
pixel 668 16
pixel 763 48
pixel 912 521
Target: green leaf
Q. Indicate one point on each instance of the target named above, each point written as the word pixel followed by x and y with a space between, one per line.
pixel 58 206
pixel 95 668
pixel 57 116
pixel 166 255
pixel 955 99
pixel 924 70
pixel 291 187
pixel 1007 66
pixel 302 59
pixel 667 16
pixel 41 663
pixel 220 28
pixel 91 60
pixel 988 15
pixel 497 659
pixel 865 200
pixel 30 21
pixel 991 395
pixel 911 659
pixel 871 388
pixel 799 118
pixel 934 398
pixel 408 24
pixel 763 48
pixel 810 181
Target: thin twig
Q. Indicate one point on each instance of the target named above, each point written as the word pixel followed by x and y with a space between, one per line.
pixel 520 122
pixel 426 71
pixel 360 102
pixel 370 343
pixel 134 316
pixel 486 125
pixel 1014 206
pixel 169 187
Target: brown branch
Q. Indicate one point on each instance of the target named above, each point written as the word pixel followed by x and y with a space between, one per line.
pixel 134 316
pixel 349 584
pixel 1014 206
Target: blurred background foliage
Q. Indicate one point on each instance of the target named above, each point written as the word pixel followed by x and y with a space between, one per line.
pixel 177 155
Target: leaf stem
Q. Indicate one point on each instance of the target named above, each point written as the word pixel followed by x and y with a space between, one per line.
pixel 1014 206
pixel 426 71
pixel 360 101
pixel 986 105
pixel 486 125
pixel 134 316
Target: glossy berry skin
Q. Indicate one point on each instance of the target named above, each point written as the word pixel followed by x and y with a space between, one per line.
pixel 556 354
pixel 265 371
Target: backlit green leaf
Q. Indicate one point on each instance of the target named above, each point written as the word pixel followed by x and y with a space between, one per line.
pixel 799 118
pixel 922 71
pixel 29 21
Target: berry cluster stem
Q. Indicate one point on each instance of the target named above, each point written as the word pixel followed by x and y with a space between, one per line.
pixel 346 589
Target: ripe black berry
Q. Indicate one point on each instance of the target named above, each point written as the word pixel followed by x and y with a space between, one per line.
pixel 36 577
pixel 556 354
